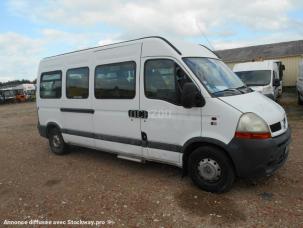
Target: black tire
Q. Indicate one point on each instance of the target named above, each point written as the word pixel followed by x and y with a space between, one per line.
pixel 300 101
pixel 56 142
pixel 205 154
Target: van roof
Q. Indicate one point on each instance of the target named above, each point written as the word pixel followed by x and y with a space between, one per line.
pixel 182 48
pixel 258 65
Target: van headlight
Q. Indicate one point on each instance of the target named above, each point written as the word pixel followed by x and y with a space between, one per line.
pixel 251 126
pixel 268 90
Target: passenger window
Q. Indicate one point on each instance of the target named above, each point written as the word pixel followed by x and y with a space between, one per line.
pixel 50 84
pixel 77 81
pixel 115 81
pixel 164 80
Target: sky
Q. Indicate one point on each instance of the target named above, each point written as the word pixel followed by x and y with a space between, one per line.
pixel 32 30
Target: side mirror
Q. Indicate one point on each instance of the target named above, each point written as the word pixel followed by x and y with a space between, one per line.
pixel 276 82
pixel 191 96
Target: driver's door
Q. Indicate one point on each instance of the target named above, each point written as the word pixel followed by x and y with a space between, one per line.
pixel 165 125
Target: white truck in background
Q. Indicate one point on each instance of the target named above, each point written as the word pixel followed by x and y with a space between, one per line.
pixel 262 76
pixel 29 90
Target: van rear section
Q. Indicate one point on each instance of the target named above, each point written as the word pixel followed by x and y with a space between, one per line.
pixel 152 99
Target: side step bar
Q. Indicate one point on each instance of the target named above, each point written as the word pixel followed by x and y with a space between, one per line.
pixel 131 158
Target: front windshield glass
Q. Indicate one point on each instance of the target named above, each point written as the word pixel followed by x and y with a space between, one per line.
pixel 214 74
pixel 255 78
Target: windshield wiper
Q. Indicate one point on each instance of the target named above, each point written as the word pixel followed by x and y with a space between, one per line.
pixel 244 87
pixel 228 90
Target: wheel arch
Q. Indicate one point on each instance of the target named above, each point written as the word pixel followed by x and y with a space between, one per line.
pixel 196 142
pixel 51 125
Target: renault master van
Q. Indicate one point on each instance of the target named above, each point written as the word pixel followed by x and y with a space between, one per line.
pixel 262 76
pixel 151 99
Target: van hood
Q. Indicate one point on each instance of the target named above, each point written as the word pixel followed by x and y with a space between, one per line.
pixel 257 103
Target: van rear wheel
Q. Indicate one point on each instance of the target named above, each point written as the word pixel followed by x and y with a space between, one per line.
pixel 56 142
pixel 211 170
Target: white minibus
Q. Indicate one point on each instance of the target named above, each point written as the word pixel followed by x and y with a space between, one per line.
pixel 151 99
pixel 262 76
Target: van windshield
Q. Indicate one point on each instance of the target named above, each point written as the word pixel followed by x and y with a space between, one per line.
pixel 218 79
pixel 255 78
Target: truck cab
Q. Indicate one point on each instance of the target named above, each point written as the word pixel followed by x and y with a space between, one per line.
pixel 262 76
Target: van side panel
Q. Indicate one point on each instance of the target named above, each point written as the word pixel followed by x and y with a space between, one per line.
pixel 105 123
pixel 51 110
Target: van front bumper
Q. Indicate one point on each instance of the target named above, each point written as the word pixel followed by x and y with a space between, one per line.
pixel 259 157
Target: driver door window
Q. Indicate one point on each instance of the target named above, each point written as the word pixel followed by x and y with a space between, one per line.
pixel 164 80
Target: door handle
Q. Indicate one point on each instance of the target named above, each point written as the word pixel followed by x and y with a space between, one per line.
pixel 143 114
pixel 138 114
pixel 132 113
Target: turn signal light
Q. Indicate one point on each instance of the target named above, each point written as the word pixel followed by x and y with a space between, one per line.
pixel 249 135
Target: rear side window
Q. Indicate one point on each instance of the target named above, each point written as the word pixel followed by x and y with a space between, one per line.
pixel 115 81
pixel 77 83
pixel 50 84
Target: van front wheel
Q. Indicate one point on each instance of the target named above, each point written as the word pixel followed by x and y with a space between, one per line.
pixel 56 142
pixel 211 170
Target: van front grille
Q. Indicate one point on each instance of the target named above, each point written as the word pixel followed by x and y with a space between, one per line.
pixel 275 127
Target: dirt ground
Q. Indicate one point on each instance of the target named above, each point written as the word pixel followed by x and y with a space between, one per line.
pixel 90 185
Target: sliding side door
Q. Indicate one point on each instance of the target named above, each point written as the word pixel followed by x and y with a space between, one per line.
pixel 116 100
pixel 76 108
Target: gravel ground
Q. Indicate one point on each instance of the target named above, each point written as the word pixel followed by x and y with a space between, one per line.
pixel 91 185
